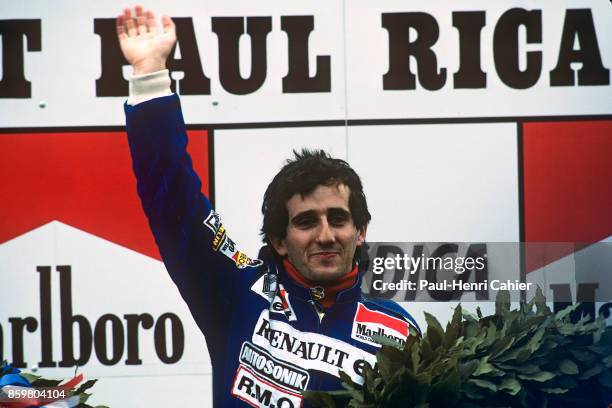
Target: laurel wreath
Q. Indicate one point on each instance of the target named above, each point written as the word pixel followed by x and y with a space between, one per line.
pixel 527 357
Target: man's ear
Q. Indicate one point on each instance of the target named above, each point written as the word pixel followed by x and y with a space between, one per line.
pixel 279 245
pixel 362 234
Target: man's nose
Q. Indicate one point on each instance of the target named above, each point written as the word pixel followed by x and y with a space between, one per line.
pixel 325 234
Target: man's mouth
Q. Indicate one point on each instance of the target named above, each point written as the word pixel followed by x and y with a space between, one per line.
pixel 324 254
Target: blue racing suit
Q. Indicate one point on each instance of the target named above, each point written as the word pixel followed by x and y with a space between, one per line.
pixel 265 335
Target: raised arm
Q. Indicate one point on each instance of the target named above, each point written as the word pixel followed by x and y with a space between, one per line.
pixel 197 251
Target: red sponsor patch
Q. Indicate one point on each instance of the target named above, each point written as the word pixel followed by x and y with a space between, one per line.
pixel 281 304
pixel 368 324
pixel 282 294
pixel 365 315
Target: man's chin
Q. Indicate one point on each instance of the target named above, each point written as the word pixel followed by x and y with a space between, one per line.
pixel 324 275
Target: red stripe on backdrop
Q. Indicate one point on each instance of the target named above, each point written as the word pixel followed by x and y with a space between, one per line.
pixel 567 185
pixel 81 179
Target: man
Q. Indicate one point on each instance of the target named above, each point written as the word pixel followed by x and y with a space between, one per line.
pixel 274 326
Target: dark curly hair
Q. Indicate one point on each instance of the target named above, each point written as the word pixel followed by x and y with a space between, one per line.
pixel 301 175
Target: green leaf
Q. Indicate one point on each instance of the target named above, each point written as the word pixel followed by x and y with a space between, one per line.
pixel 386 341
pixel 435 332
pixel 555 390
pixel 510 384
pixel 474 341
pixel 453 328
pixel 446 392
pixel 540 302
pixel 457 315
pixel 466 369
pixel 568 367
pixel 490 335
pixel 540 377
pixel 534 322
pixel 30 377
pixel 415 358
pixel 564 313
pixel 524 355
pixel 502 303
pixel 528 369
pixel 536 340
pixel 85 386
pixel 390 360
pixel 410 342
pixel 510 355
pixel 501 345
pixel 484 367
pixel 426 351
pixel 484 384
pixel 83 397
pixel 42 382
pixel 404 389
pixel 469 317
pixel 567 329
pixel 344 377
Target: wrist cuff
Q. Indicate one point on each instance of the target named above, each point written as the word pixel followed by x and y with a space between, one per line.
pixel 149 86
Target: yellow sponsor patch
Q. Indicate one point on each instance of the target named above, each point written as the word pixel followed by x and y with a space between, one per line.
pixel 218 239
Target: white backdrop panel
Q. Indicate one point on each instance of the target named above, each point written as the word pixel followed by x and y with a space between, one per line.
pixel 454 182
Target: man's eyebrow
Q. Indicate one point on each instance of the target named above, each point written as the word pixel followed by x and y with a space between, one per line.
pixel 313 213
pixel 338 210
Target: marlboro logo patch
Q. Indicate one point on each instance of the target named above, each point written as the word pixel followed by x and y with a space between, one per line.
pixel 369 323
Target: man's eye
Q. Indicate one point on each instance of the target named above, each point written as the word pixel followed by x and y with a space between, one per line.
pixel 339 219
pixel 304 222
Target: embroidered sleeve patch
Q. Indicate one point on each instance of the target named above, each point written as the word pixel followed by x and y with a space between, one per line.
pixel 223 243
pixel 261 393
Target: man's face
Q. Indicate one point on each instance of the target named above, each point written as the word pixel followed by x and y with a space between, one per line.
pixel 321 235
